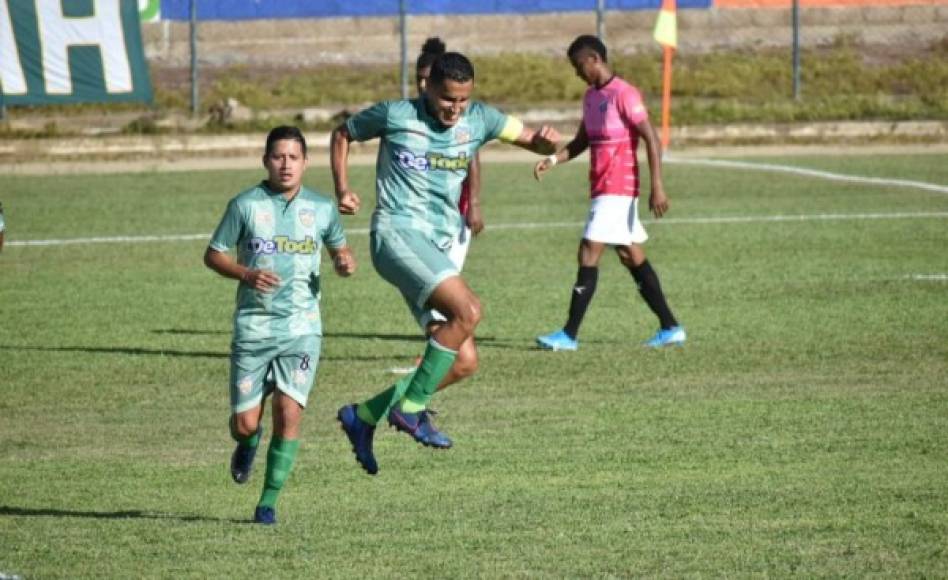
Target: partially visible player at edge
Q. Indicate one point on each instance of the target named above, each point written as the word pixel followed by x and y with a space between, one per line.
pixel 472 222
pixel 614 119
pixel 278 228
pixel 425 150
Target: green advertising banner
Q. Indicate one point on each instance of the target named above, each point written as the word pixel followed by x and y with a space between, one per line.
pixel 71 51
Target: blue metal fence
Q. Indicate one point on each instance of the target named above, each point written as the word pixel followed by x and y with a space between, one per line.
pixel 269 9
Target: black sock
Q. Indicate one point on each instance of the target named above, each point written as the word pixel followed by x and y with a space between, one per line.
pixel 583 291
pixel 651 290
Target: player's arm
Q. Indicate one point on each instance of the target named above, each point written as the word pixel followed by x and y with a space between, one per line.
pixel 542 141
pixel 225 265
pixel 347 199
pixel 475 219
pixel 657 200
pixel 573 149
pixel 343 260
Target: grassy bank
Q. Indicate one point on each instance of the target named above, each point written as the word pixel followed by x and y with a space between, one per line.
pixel 843 82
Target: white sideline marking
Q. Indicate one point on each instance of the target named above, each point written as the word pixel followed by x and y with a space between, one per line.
pixel 521 226
pixel 929 277
pixel 809 173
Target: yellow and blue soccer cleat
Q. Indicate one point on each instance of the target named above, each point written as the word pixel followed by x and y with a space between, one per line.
pixel 420 427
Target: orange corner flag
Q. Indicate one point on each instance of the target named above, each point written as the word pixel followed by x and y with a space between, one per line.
pixel 666 27
pixel 666 33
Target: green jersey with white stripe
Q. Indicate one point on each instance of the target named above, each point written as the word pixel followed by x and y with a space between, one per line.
pixel 421 163
pixel 285 237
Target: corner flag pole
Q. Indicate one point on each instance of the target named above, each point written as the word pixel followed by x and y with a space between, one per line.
pixel 666 96
pixel 666 34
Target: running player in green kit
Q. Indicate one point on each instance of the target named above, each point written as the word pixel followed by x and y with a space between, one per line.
pixel 426 147
pixel 278 228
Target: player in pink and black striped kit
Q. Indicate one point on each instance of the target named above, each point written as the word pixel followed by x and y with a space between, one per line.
pixel 614 119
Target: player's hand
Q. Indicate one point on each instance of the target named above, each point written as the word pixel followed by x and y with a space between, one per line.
pixel 349 202
pixel 344 263
pixel 542 167
pixel 475 219
pixel 658 202
pixel 545 140
pixel 261 280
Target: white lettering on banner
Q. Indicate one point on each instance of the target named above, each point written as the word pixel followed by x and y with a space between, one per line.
pixel 12 80
pixel 103 29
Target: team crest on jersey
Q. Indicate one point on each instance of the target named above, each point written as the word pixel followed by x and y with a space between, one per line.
pixel 307 217
pixel 603 106
pixel 245 385
pixel 462 135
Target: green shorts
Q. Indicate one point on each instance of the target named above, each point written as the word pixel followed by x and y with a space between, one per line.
pixel 411 262
pixel 292 360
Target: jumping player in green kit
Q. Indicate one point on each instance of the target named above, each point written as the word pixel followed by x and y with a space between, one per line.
pixel 426 147
pixel 278 228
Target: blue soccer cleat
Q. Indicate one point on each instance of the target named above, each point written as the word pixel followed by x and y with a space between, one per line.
pixel 420 427
pixel 558 340
pixel 241 462
pixel 674 336
pixel 360 435
pixel 264 515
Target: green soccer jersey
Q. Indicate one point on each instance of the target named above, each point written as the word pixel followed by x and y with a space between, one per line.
pixel 271 233
pixel 421 164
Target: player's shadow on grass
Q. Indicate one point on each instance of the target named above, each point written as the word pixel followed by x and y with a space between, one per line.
pixel 6 510
pixel 484 341
pixel 122 350
pixel 190 331
pixel 133 351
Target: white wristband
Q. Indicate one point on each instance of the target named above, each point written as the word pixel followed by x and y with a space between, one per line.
pixel 552 159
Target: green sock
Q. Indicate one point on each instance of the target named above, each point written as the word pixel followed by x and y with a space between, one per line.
pixel 376 408
pixel 434 366
pixel 280 459
pixel 417 387
pixel 251 441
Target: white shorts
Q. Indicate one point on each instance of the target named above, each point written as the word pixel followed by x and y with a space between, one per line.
pixel 459 247
pixel 457 254
pixel 614 220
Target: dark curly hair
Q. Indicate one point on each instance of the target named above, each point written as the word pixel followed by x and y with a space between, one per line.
pixel 285 132
pixel 587 41
pixel 451 66
pixel 430 50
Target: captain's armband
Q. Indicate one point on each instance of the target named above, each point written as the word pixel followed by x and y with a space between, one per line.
pixel 512 130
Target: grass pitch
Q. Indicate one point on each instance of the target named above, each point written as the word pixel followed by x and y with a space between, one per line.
pixel 802 430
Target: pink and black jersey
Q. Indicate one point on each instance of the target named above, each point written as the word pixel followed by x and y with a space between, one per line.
pixel 610 115
pixel 464 203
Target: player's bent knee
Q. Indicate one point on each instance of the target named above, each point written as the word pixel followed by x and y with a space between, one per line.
pixel 246 424
pixel 468 316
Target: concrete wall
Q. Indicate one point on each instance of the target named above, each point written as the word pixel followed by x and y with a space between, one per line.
pixel 375 40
